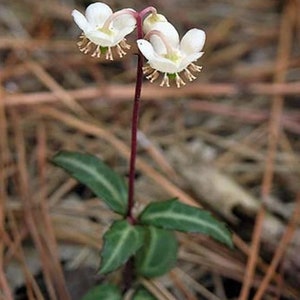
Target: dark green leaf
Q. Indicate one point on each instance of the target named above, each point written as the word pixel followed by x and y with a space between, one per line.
pixel 104 291
pixel 142 294
pixel 96 175
pixel 158 253
pixel 172 214
pixel 121 241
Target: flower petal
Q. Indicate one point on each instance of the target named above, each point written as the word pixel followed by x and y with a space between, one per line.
pixel 146 48
pixel 193 41
pixel 118 36
pixel 125 20
pixel 80 20
pixel 97 13
pixel 169 31
pixel 163 65
pixel 123 24
pixel 99 38
pixel 151 20
pixel 156 61
pixel 189 59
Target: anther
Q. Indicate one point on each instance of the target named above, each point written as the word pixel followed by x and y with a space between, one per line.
pixel 109 54
pixel 153 76
pixel 165 81
pixel 120 51
pixel 194 68
pixel 86 49
pixel 97 52
pixel 179 81
pixel 188 75
pixel 124 45
pixel 147 69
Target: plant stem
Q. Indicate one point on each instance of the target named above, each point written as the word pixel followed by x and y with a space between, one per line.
pixel 129 274
pixel 134 124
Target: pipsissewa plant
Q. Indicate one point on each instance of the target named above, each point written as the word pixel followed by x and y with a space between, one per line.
pixel 145 243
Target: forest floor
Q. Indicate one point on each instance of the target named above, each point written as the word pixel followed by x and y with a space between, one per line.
pixel 229 142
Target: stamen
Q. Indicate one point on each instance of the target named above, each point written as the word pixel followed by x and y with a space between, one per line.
pixel 179 81
pixel 147 69
pixel 86 49
pixel 188 75
pixel 124 45
pixel 97 52
pixel 153 76
pixel 109 54
pixel 194 68
pixel 84 44
pixel 165 81
pixel 82 41
pixel 120 51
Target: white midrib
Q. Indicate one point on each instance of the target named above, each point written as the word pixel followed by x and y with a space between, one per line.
pixel 117 249
pixel 152 238
pixel 180 217
pixel 96 175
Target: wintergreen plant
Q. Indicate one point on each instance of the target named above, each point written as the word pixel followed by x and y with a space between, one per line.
pixel 146 242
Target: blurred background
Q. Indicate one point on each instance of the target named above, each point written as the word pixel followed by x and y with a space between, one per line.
pixel 229 141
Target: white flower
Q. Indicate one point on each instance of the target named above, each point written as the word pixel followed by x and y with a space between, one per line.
pixel 166 54
pixel 152 20
pixel 104 30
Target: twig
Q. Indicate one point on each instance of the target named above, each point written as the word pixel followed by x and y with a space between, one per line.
pixel 281 248
pixel 179 284
pixel 48 236
pixel 196 285
pixel 3 158
pixel 32 287
pixel 157 290
pixel 57 90
pixel 273 137
pixel 150 92
pixel 25 192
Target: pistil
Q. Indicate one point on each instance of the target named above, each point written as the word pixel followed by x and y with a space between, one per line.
pixel 169 49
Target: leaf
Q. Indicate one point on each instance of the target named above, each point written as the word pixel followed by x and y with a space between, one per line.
pixel 158 253
pixel 103 291
pixel 121 241
pixel 101 179
pixel 142 294
pixel 172 214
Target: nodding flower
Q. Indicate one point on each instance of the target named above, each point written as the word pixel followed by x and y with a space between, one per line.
pixel 168 55
pixel 104 30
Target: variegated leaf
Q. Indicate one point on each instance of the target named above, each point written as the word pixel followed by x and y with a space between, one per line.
pixel 101 179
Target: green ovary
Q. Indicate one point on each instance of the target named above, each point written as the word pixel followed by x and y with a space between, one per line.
pixel 174 57
pixel 106 31
pixel 172 75
pixel 103 49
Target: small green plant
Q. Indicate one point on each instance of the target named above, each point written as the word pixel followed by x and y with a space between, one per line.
pixel 145 243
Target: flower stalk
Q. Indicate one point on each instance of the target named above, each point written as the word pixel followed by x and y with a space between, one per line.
pixel 134 123
pixel 128 274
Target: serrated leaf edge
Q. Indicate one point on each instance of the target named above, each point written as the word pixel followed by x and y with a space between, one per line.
pixel 179 217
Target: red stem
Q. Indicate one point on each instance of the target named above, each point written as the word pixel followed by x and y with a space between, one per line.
pixel 134 124
pixel 128 274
